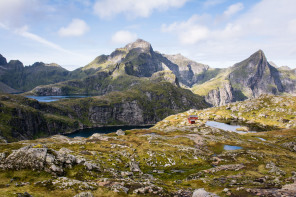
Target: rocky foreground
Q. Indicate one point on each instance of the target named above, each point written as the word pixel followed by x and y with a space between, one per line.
pixel 173 158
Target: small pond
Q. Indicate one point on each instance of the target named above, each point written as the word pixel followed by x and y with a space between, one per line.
pixel 260 138
pixel 229 147
pixel 103 130
pixel 227 127
pixel 55 98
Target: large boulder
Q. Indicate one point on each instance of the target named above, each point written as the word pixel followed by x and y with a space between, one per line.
pixel 39 157
pixel 203 193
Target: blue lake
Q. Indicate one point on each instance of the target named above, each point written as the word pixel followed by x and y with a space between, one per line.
pixel 103 130
pixel 225 127
pixel 55 98
pixel 228 147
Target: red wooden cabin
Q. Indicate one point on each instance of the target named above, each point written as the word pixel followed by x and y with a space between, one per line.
pixel 192 119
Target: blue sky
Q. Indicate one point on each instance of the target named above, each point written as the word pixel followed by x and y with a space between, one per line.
pixel 215 32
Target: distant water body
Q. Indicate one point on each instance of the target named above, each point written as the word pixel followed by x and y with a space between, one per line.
pixel 47 99
pixel 102 130
pixel 225 127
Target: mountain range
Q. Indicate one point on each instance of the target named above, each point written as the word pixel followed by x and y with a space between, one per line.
pixel 137 63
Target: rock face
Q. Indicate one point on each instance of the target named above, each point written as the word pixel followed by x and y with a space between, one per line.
pixel 125 67
pixel 203 193
pixel 188 69
pixel 39 158
pixel 2 60
pixel 247 79
pixel 256 76
pixel 23 78
pixel 130 112
pixel 221 96
pixel 27 118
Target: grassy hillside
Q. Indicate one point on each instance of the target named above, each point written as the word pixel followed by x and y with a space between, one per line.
pixel 173 158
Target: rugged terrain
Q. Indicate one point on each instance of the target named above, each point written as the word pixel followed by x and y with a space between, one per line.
pixel 126 67
pixel 15 77
pixel 247 79
pixel 173 158
pixel 147 103
pixel 138 62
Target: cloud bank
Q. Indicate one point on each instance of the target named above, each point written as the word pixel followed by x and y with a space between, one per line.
pixel 107 9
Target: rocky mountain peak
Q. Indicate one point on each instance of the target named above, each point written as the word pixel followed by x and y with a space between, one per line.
pixel 2 60
pixel 139 44
pixel 258 56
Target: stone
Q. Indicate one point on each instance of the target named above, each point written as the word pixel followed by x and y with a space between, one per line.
pixel 26 194
pixel 84 194
pixel 126 173
pixel 203 193
pixel 120 132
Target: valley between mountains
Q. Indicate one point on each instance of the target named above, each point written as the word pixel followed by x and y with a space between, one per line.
pixel 138 86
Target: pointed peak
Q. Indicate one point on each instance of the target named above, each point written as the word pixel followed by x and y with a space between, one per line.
pixel 258 55
pixel 2 60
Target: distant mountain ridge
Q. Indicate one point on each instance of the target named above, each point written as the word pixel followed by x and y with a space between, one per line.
pixel 137 62
pixel 123 68
pixel 23 78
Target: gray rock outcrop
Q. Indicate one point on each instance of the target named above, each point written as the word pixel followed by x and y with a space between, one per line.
pixel 203 193
pixel 221 96
pixel 41 158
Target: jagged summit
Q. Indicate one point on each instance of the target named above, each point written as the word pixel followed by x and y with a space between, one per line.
pixel 2 60
pixel 259 55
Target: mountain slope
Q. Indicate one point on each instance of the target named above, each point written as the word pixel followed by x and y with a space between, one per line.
pixel 24 78
pixel 190 72
pixel 145 103
pixel 247 79
pixel 124 67
pixel 6 89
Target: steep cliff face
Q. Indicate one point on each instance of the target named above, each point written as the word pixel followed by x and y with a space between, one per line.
pixel 247 79
pixel 136 60
pixel 23 118
pixel 221 96
pixel 288 79
pixel 144 104
pixel 255 76
pixel 188 69
pixel 3 60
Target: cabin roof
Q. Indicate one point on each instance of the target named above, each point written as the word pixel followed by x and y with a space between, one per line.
pixel 192 116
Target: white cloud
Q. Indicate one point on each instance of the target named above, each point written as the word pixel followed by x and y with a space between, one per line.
pixel 189 32
pixel 269 25
pixel 233 9
pixel 123 37
pixel 77 27
pixel 131 8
